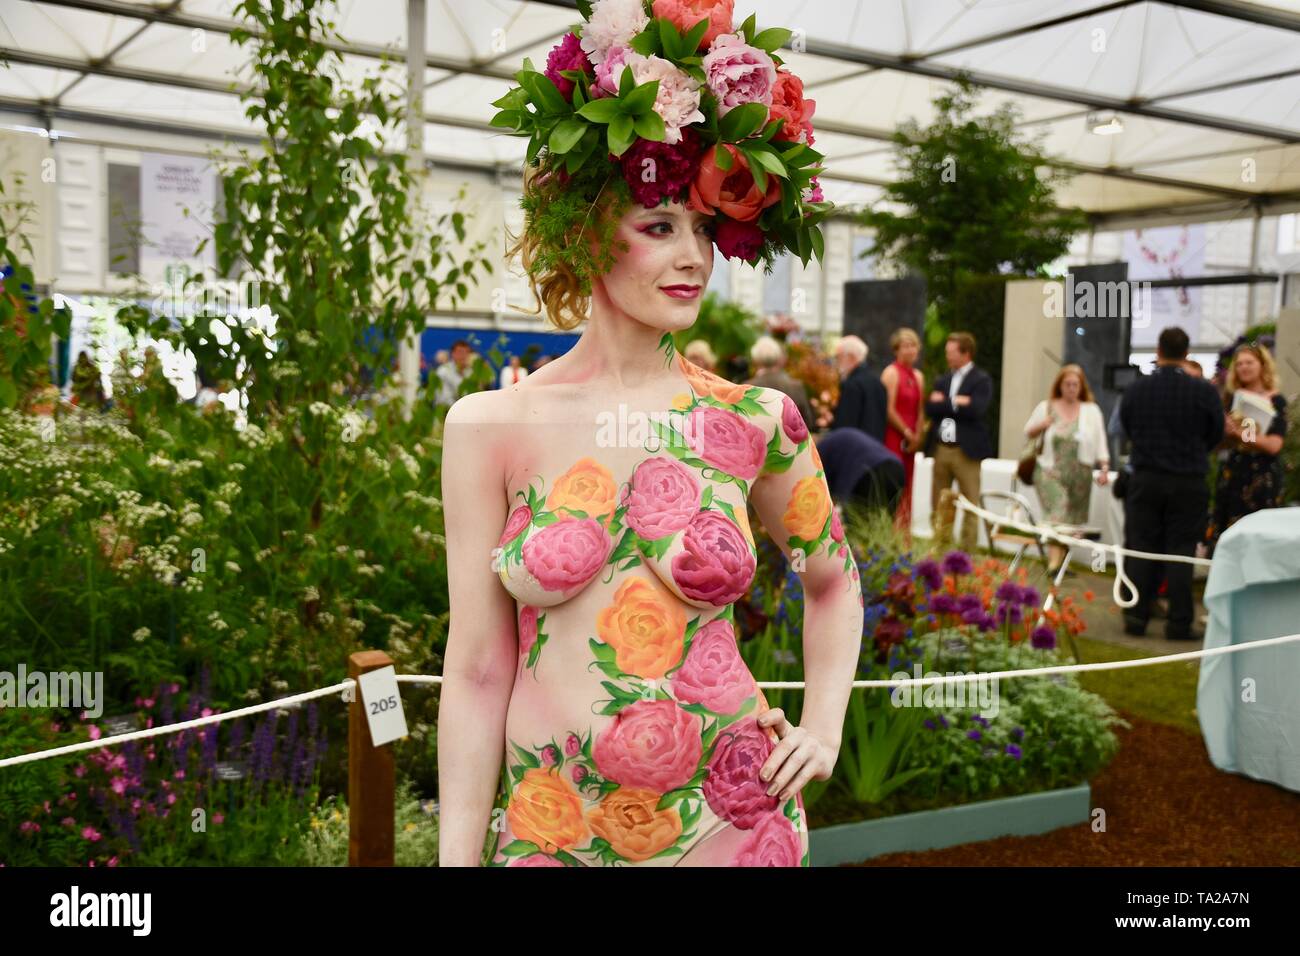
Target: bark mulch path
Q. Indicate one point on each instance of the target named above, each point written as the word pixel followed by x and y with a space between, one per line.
pixel 1166 805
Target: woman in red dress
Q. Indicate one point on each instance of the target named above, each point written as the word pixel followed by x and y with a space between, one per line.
pixel 904 385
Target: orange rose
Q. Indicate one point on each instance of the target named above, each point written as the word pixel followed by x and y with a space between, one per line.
pixel 732 191
pixel 627 818
pixel 808 508
pixel 588 487
pixel 816 455
pixel 788 104
pixel 714 386
pixel 545 809
pixel 646 628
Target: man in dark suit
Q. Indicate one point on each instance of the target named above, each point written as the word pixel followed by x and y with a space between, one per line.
pixel 1173 420
pixel 958 439
pixel 863 399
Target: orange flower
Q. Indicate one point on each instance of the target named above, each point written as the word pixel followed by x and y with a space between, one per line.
pixel 545 809
pixel 808 508
pixel 627 818
pixel 588 486
pixel 646 628
pixel 1089 596
pixel 714 386
pixel 732 192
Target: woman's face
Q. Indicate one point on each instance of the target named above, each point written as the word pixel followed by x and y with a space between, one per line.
pixel 1070 387
pixel 906 353
pixel 660 280
pixel 1247 367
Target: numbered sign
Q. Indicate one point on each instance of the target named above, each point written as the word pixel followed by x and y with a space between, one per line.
pixel 383 705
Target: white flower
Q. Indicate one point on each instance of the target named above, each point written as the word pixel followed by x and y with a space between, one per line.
pixel 232 567
pixel 140 634
pixel 309 593
pixel 678 102
pixel 612 23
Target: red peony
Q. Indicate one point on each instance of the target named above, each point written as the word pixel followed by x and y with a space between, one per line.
pixel 658 171
pixel 566 55
pixel 788 104
pixel 738 240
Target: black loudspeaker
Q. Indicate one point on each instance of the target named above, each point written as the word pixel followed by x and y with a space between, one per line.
pixel 1098 325
pixel 875 308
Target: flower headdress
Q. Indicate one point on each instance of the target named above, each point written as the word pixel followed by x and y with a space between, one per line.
pixel 656 100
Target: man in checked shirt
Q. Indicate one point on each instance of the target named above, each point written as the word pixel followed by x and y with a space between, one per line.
pixel 1173 421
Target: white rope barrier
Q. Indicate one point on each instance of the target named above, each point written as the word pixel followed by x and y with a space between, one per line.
pixel 346 685
pixel 1043 533
pixel 174 728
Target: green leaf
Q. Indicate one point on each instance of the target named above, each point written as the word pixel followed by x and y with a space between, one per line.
pixel 650 126
pixel 552 99
pixel 566 135
pixel 626 82
pixel 772 39
pixel 621 134
pixel 759 174
pixel 818 243
pixel 748 27
pixel 647 41
pixel 741 121
pixel 601 111
pixel 768 160
pixel 722 159
pixel 695 35
pixel 506 119
pixel 641 99
pixel 584 8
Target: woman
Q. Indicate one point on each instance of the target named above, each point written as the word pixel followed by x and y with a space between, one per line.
pixel 592 570
pixel 904 386
pixel 1250 476
pixel 1074 443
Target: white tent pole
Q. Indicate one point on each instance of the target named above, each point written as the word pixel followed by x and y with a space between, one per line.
pixel 1254 265
pixel 409 353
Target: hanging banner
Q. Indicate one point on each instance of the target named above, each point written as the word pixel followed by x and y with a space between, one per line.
pixel 1170 252
pixel 177 197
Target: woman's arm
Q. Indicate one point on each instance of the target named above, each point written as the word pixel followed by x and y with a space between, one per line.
pixel 889 378
pixel 792 500
pixel 1040 420
pixel 482 639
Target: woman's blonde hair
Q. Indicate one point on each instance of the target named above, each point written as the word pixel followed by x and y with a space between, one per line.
pixel 1085 393
pixel 557 286
pixel 903 335
pixel 1267 369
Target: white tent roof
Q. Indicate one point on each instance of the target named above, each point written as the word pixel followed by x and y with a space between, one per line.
pixel 1208 92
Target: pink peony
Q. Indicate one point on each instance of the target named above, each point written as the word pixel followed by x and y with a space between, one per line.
pixel 527 629
pixel 613 23
pixel 661 497
pixel 738 240
pixel 713 673
pixel 732 786
pixel 726 441
pixel 567 55
pixel 788 104
pixel 773 842
pixel 678 99
pixel 792 423
pixel 684 14
pixel 716 564
pixel 566 554
pixel 652 744
pixel 814 192
pixel 738 73
pixel 658 171
pixel 536 859
pixel 518 520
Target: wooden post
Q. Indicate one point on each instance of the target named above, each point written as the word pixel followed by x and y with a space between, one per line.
pixel 370 777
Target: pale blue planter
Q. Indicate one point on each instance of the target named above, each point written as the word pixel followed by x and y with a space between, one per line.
pixel 1024 815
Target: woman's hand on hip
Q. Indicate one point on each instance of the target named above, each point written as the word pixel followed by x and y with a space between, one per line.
pixel 799 757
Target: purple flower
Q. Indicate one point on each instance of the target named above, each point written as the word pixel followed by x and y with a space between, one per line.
pixel 1009 612
pixel 974 734
pixel 957 562
pixel 1014 751
pixel 969 602
pixel 1030 597
pixel 1043 638
pixel 1019 733
pixel 929 572
pixel 986 622
pixel 656 171
pixel 973 615
pixel 929 724
pixel 943 604
pixel 977 719
pixel 943 720
pixel 1008 591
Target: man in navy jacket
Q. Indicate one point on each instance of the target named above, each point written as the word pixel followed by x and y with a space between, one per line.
pixel 863 399
pixel 959 439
